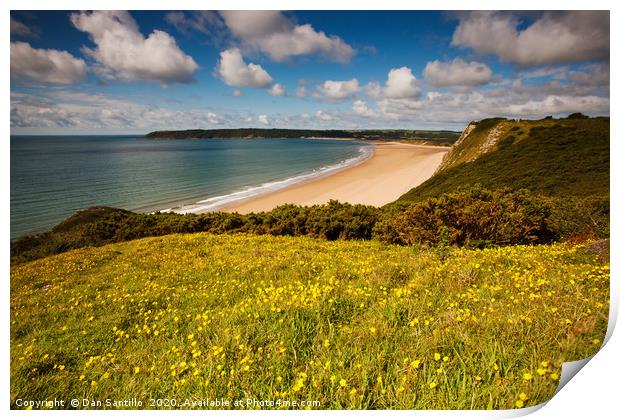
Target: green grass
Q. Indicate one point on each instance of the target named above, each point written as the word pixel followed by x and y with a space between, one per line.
pixel 351 324
pixel 567 157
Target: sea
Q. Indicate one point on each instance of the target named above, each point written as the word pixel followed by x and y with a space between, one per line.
pixel 52 177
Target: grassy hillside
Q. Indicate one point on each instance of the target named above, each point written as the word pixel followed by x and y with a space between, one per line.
pixel 348 323
pixel 560 158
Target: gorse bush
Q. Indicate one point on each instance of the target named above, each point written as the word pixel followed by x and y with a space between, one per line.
pixel 100 225
pixel 574 218
pixel 472 218
pixel 330 221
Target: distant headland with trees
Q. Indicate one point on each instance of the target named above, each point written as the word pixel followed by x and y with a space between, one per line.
pixel 438 137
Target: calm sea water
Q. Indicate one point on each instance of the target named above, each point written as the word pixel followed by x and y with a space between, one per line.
pixel 53 176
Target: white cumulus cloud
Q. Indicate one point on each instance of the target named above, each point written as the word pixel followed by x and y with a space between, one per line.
pixel 70 110
pixel 213 118
pixel 235 72
pixel 457 72
pixel 402 83
pixel 324 115
pixel 338 89
pixel 122 52
pixel 374 90
pixel 301 91
pixel 398 108
pixel 274 34
pixel 277 90
pixel 360 108
pixel 207 22
pixel 45 66
pixel 263 119
pixel 553 38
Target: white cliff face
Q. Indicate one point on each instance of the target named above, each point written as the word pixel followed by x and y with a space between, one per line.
pixel 454 151
pixel 492 139
pixel 468 148
pixel 470 127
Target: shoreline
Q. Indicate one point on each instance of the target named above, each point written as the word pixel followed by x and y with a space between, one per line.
pixel 220 203
pixel 335 138
pixel 393 169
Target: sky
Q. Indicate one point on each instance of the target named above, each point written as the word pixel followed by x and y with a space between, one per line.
pixel 106 72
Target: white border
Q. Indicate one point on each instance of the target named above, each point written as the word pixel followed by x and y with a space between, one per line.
pixel 593 392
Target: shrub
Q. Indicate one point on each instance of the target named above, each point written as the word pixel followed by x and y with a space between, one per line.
pixel 574 217
pixel 341 221
pixel 472 218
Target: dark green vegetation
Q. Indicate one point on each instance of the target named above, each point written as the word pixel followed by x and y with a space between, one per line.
pixel 505 182
pixel 435 137
pixel 102 225
pixel 473 218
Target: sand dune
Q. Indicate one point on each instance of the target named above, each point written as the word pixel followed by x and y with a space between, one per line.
pixel 393 170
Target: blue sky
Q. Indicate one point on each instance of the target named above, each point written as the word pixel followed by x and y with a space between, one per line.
pixel 133 72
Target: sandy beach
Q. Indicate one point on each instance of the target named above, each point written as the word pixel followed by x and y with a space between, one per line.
pixel 393 170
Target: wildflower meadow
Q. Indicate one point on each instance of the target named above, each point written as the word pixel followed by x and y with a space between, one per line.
pixel 347 324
